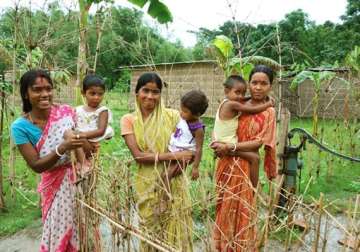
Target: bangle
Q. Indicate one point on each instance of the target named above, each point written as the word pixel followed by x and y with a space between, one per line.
pixel 57 151
pixel 234 149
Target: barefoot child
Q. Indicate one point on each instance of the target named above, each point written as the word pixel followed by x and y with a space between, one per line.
pixel 93 119
pixel 226 121
pixel 189 134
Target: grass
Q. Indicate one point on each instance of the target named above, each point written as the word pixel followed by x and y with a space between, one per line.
pixel 339 180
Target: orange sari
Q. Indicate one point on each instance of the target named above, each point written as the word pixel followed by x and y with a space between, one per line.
pixel 235 222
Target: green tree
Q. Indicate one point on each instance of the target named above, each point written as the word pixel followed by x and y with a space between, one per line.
pixel 156 9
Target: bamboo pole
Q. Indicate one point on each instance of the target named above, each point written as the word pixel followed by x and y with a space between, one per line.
pixel 280 71
pixel 2 97
pixel 12 152
pixel 318 227
pixel 325 238
pixel 82 64
pixel 99 31
pixel 128 205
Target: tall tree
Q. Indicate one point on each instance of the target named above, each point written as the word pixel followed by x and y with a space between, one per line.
pixel 156 9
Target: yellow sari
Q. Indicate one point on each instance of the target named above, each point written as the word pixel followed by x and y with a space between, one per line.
pixel 174 226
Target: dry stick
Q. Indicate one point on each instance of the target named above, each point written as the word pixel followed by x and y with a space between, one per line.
pixel 319 153
pixel 355 226
pixel 117 205
pixel 331 100
pixel 318 227
pixel 92 198
pixel 114 202
pixel 77 206
pixel 45 37
pixel 310 150
pixel 26 198
pixel 325 234
pixel 271 206
pixel 286 222
pixel 301 239
pixel 2 108
pixel 99 31
pixel 280 71
pixel 84 217
pixel 339 225
pixel 113 211
pixel 204 201
pixel 128 205
pixel 160 245
pixel 236 32
pixel 289 221
pixel 14 70
pixel 348 238
pixel 353 218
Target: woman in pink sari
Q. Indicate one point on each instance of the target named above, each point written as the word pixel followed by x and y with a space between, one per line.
pixel 235 221
pixel 44 138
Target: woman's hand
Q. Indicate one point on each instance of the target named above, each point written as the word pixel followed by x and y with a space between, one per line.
pixel 220 149
pixel 71 141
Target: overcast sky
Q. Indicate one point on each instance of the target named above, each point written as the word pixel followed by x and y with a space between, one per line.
pixel 193 14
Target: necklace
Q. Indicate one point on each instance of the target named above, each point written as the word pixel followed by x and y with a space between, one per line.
pixel 40 123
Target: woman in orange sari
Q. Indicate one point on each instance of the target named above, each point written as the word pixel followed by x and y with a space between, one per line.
pixel 235 222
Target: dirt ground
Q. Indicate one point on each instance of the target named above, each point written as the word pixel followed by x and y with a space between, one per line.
pixel 29 240
pixel 25 240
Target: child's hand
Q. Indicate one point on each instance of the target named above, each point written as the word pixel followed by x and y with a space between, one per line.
pixel 96 146
pixel 185 156
pixel 195 174
pixel 271 100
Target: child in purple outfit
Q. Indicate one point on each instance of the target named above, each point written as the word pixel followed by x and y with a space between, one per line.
pixel 189 134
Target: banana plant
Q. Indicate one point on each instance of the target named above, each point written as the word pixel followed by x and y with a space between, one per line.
pixel 317 79
pixel 60 77
pixel 352 61
pixel 34 58
pixel 156 10
pixel 223 49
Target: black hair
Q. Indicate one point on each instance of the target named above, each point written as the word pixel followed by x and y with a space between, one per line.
pixel 232 79
pixel 145 78
pixel 92 80
pixel 27 80
pixel 263 69
pixel 195 101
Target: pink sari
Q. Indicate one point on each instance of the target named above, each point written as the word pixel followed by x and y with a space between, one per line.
pixel 56 187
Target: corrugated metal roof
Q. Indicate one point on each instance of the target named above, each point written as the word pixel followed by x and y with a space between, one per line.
pixel 166 63
pixel 319 69
pixel 330 69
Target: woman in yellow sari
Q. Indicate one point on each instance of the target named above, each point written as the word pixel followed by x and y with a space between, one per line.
pixel 147 133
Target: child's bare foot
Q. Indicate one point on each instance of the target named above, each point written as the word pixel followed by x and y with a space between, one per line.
pixel 163 205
